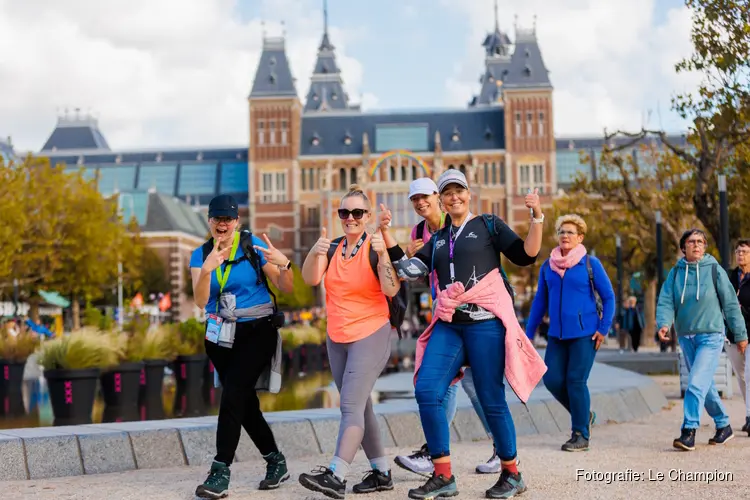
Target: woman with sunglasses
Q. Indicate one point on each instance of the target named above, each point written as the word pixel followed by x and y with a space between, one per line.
pixel 577 326
pixel 241 338
pixel 359 341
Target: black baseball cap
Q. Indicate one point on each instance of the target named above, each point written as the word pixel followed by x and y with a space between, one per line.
pixel 223 206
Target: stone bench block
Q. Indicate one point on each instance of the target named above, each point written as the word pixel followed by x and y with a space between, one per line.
pixel 560 415
pixel 406 428
pixel 522 420
pixel 49 452
pixel 468 426
pixel 542 418
pixel 12 462
pixel 327 433
pixel 635 403
pixel 199 443
pixel 157 448
pixel 610 407
pixel 103 450
pixel 296 438
pixel 653 396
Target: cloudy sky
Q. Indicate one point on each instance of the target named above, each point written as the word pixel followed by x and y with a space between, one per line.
pixel 177 72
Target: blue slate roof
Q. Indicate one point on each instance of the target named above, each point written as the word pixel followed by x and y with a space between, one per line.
pixel 526 68
pixel 477 129
pixel 273 76
pixel 6 151
pixel 79 134
pixel 326 85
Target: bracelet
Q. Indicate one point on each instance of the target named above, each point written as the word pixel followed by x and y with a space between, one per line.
pixel 540 220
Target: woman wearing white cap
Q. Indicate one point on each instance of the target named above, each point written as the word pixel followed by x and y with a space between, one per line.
pixel 423 194
pixel 473 317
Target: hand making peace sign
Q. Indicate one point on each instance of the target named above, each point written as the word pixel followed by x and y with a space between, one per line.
pixel 216 257
pixel 272 254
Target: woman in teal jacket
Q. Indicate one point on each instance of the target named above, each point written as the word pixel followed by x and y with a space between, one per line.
pixel 696 296
pixel 569 282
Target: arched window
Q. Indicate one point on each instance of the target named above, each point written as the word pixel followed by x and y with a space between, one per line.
pixel 342 179
pixel 462 169
pixel 413 172
pixel 353 175
pixel 451 167
pixel 393 174
pixel 403 173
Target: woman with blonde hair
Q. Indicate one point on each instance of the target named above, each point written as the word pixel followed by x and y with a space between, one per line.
pixel 358 278
pixel 569 282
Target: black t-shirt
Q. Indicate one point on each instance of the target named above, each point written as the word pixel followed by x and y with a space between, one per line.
pixel 475 254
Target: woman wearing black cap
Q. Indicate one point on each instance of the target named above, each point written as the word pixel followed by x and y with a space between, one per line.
pixel 242 337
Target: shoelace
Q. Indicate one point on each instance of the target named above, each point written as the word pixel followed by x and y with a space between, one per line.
pixel 433 483
pixel 272 469
pixel 321 469
pixel 370 476
pixel 214 477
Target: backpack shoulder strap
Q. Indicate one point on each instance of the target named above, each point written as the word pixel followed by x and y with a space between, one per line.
pixel 246 244
pixel 420 228
pixel 374 259
pixel 591 273
pixel 715 276
pixel 332 249
pixel 206 248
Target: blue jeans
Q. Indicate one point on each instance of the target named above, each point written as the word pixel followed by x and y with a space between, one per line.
pixel 450 403
pixel 468 384
pixel 482 346
pixel 569 363
pixel 702 354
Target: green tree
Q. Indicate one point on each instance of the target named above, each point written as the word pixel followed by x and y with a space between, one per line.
pixel 302 296
pixel 12 224
pixel 718 110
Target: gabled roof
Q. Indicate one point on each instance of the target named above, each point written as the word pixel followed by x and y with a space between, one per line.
pixel 273 76
pixel 342 133
pixel 77 133
pixel 156 212
pixel 6 151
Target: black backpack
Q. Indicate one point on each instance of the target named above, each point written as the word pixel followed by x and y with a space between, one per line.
pixel 396 305
pixel 246 244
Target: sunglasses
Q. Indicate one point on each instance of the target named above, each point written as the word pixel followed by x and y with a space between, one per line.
pixel 224 220
pixel 357 213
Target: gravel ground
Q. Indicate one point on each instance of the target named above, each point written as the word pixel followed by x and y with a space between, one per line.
pixel 642 447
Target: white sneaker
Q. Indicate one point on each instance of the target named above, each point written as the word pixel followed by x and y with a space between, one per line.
pixel 418 462
pixel 493 465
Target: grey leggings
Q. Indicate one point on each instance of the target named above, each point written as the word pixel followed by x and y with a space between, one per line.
pixel 355 368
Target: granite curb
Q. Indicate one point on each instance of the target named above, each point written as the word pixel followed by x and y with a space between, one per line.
pixel 48 452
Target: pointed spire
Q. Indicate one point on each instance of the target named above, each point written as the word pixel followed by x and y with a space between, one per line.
pixel 497 20
pixel 325 43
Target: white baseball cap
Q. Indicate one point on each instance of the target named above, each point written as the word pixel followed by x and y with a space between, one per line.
pixel 423 185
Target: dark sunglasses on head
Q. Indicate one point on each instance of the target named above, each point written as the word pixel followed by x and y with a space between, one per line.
pixel 357 213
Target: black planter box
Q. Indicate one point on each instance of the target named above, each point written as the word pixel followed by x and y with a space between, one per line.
pixel 72 393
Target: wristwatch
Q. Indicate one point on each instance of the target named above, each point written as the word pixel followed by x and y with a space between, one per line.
pixel 534 220
pixel 287 267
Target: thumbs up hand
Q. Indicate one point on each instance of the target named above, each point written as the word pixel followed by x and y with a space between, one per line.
pixel 384 218
pixel 323 244
pixel 378 244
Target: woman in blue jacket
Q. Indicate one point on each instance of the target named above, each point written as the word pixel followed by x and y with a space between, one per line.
pixel 568 284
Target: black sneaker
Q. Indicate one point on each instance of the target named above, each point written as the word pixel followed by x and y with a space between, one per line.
pixel 722 435
pixel 508 486
pixel 374 481
pixel 324 481
pixel 276 471
pixel 576 443
pixel 418 462
pixel 216 484
pixel 436 487
pixel 686 441
pixel 746 427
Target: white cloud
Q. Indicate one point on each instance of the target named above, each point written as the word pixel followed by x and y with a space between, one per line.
pixel 155 72
pixel 608 63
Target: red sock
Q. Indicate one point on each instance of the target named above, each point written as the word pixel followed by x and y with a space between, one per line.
pixel 443 468
pixel 511 467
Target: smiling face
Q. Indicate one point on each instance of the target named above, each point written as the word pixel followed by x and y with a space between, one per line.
pixel 425 205
pixel 568 237
pixel 221 227
pixel 351 208
pixel 455 199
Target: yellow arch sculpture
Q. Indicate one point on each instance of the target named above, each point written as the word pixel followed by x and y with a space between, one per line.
pixel 375 164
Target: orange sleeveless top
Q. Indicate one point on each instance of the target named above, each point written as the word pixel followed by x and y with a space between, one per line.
pixel 355 304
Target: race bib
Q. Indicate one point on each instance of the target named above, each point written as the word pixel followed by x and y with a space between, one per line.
pixel 213 328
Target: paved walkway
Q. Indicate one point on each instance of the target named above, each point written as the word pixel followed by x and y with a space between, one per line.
pixel 642 447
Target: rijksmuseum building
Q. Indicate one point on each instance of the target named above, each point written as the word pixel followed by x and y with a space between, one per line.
pixel 301 155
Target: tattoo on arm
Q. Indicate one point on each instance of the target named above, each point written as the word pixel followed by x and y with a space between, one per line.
pixel 388 270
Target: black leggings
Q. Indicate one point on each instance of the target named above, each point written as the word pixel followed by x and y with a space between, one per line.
pixel 239 368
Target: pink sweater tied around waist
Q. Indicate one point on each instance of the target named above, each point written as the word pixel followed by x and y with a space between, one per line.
pixel 524 367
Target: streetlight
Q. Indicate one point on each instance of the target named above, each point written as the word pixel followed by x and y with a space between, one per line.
pixel 723 222
pixel 618 245
pixel 659 254
pixel 15 298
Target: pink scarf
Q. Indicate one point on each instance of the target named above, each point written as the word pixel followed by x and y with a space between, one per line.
pixel 559 264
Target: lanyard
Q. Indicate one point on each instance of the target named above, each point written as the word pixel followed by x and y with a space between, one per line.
pixel 223 277
pixel 451 239
pixel 356 248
